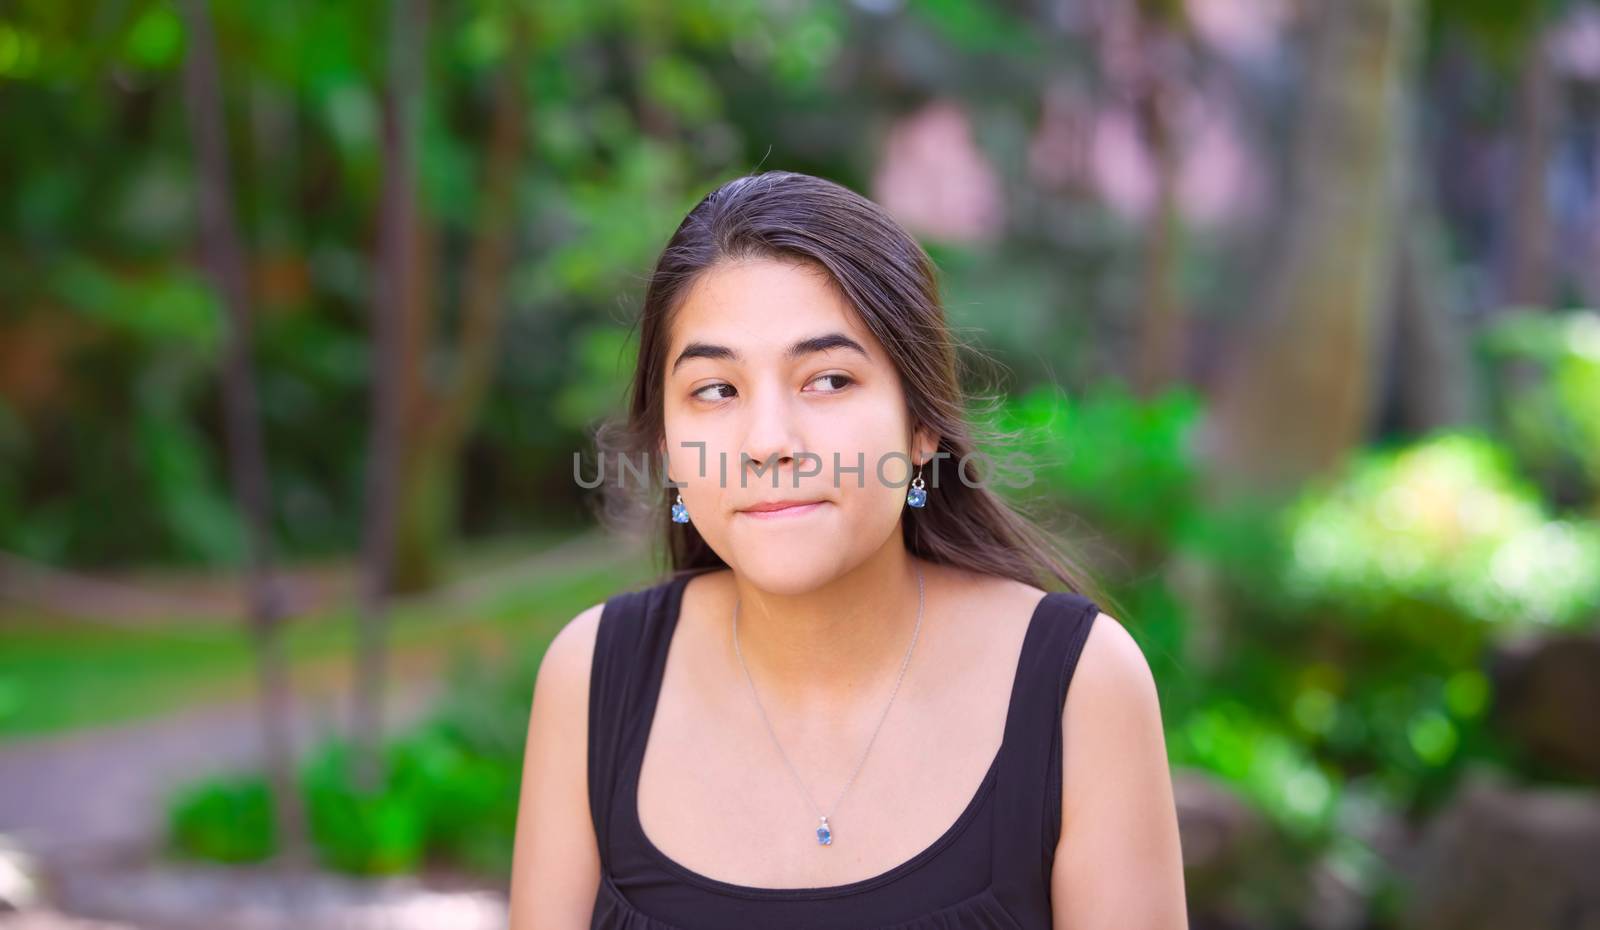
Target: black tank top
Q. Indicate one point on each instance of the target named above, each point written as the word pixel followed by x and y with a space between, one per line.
pixel 990 869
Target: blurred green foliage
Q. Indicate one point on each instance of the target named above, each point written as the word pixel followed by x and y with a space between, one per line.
pixel 1325 656
pixel 1442 521
pixel 634 109
pixel 379 832
pixel 228 819
pixel 1122 463
pixel 1546 385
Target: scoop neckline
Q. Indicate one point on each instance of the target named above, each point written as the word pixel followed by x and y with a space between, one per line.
pixel 951 833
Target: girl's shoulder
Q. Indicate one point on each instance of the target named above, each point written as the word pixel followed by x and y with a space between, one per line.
pixel 570 655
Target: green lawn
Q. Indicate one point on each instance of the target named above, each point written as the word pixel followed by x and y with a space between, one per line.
pixel 58 675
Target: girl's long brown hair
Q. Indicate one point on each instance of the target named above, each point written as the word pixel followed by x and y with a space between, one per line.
pixel 888 278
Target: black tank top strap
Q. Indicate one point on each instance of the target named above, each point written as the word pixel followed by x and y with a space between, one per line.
pixel 1027 819
pixel 630 657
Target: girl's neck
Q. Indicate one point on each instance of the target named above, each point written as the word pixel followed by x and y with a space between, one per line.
pixel 831 647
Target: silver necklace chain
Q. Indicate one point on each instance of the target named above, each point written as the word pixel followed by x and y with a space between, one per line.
pixel 825 832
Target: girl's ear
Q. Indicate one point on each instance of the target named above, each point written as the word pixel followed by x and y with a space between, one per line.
pixel 925 443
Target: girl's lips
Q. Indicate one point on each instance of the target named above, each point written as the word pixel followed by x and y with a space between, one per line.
pixel 783 513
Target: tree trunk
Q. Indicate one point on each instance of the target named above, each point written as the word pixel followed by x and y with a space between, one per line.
pixel 443 418
pixel 1161 350
pixel 1430 366
pixel 396 298
pixel 1301 391
pixel 1533 241
pixel 422 429
pixel 1428 370
pixel 225 263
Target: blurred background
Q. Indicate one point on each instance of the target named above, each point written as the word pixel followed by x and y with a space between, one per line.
pixel 307 308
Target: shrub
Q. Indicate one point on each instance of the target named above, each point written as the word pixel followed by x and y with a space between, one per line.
pixel 227 819
pixel 1546 388
pixel 377 832
pixel 1121 462
pixel 450 788
pixel 1446 523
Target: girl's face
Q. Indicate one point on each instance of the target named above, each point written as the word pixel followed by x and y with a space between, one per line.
pixel 766 363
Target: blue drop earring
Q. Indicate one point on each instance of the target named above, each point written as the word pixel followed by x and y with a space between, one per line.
pixel 680 513
pixel 917 497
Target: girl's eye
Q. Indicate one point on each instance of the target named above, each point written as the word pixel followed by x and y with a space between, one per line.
pixel 701 393
pixel 726 390
pixel 842 380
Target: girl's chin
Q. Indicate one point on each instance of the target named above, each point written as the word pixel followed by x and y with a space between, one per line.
pixel 777 575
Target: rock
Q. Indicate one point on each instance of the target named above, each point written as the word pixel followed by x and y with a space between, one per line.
pixel 19 880
pixel 1230 853
pixel 1217 827
pixel 1547 699
pixel 1500 856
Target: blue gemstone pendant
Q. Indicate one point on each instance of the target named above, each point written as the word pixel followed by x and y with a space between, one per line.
pixel 680 513
pixel 825 835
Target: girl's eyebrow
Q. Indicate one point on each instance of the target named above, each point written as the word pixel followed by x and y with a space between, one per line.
pixel 799 349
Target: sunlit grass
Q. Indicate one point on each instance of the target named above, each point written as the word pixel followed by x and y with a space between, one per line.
pixel 56 676
pixel 59 674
